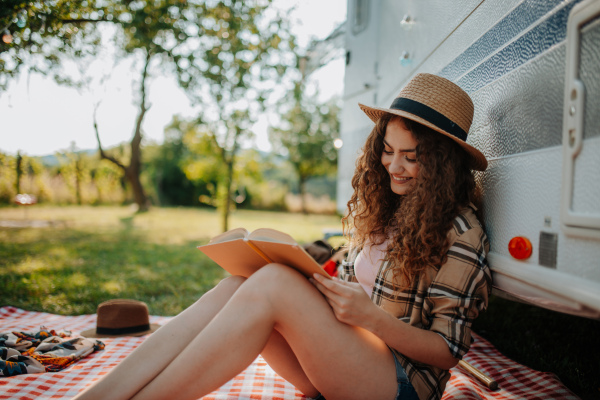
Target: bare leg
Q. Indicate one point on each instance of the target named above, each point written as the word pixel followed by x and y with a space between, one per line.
pixel 159 349
pixel 280 356
pixel 342 361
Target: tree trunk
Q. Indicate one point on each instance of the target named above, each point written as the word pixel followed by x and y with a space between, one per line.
pixel 96 184
pixel 19 172
pixel 139 195
pixel 134 169
pixel 228 158
pixel 135 166
pixel 78 179
pixel 302 190
pixel 227 199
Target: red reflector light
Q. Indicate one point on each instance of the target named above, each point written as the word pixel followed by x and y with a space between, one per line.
pixel 520 247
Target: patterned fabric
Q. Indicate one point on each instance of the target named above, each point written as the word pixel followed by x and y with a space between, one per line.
pixel 259 381
pixel 43 351
pixel 444 300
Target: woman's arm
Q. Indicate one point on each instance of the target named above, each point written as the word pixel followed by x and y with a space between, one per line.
pixel 352 306
pixel 418 344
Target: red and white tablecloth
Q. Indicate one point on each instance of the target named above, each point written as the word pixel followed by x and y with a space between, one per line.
pixel 258 381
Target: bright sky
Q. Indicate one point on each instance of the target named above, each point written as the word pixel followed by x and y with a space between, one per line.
pixel 39 117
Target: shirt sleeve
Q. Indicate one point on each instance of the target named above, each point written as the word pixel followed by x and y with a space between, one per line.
pixel 347 266
pixel 460 291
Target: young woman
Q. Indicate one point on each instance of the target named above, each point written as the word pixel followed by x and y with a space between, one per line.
pixel 399 317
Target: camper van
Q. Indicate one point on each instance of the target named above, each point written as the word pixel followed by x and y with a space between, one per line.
pixel 532 68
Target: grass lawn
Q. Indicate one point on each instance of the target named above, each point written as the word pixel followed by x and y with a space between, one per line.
pixel 85 255
pixel 91 254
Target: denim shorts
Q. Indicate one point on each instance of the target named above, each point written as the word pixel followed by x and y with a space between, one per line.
pixel 406 391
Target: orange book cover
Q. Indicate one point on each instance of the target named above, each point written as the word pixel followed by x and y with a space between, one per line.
pixel 240 252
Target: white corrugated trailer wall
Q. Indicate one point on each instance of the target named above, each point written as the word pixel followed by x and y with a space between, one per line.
pixel 509 56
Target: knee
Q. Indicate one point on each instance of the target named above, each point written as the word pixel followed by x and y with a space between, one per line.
pixel 276 276
pixel 227 287
pixel 232 283
pixel 277 285
pixel 273 270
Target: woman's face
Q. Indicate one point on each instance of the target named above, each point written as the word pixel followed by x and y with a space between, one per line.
pixel 399 156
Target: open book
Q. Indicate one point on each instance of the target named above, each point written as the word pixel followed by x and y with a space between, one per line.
pixel 242 253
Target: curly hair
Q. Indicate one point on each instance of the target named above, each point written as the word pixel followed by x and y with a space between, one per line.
pixel 417 223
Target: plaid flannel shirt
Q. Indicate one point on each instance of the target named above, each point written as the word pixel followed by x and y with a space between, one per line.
pixel 444 300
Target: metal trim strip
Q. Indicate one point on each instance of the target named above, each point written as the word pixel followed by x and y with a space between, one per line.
pixel 511 26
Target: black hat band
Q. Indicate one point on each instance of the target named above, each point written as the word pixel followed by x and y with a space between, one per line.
pixel 429 114
pixel 122 331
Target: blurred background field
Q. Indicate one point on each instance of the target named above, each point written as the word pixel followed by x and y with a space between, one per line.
pixel 66 260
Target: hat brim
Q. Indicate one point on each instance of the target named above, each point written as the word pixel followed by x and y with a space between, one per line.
pixel 478 160
pixel 91 333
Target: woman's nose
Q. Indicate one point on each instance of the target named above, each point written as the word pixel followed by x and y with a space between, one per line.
pixel 396 166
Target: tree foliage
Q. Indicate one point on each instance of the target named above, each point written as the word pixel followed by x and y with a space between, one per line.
pixel 38 34
pixel 43 35
pixel 164 167
pixel 232 66
pixel 306 134
pixel 70 177
pixel 255 179
pixel 230 56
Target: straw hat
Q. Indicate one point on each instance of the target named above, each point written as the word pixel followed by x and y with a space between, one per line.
pixel 439 104
pixel 121 317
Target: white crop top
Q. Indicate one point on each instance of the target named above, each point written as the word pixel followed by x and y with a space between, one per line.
pixel 367 265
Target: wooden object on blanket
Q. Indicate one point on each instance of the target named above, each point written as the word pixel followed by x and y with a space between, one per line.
pixel 480 376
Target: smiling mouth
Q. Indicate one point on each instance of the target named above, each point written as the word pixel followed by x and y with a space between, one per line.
pixel 400 179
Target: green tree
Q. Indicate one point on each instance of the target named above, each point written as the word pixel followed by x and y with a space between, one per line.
pixel 200 163
pixel 221 53
pixel 166 165
pixel 251 175
pixel 149 31
pixel 243 50
pixel 306 134
pixel 27 174
pixel 75 169
pixel 19 172
pixel 133 168
pixel 7 178
pixel 107 182
pixel 42 35
pixel 224 53
pixel 39 34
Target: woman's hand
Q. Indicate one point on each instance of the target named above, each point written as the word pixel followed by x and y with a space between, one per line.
pixel 348 300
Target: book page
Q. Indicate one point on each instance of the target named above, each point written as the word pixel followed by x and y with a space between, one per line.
pixel 292 255
pixel 235 257
pixel 240 253
pixel 233 234
pixel 271 235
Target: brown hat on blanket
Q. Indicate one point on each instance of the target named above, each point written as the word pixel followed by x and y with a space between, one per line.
pixel 121 317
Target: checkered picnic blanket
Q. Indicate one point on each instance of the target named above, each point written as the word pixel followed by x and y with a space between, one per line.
pixel 258 381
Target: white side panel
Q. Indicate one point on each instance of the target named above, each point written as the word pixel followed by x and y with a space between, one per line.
pixel 523 199
pixel 430 23
pixel 355 127
pixel 360 82
pixel 361 47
